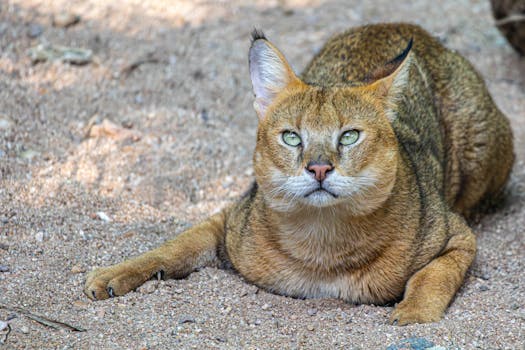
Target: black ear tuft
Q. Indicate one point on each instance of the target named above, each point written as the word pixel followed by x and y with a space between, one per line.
pixel 401 57
pixel 257 34
pixel 389 67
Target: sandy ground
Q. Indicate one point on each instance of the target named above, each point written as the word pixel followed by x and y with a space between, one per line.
pixel 182 150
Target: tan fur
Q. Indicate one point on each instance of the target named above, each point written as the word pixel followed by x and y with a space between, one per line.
pixel 386 222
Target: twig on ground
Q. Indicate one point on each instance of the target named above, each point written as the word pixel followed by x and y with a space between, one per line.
pixel 42 319
pixel 510 19
pixel 127 70
pixel 6 335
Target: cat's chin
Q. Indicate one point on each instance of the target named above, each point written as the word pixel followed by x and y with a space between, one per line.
pixel 320 198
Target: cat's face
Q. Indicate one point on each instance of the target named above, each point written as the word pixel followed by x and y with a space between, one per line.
pixel 324 147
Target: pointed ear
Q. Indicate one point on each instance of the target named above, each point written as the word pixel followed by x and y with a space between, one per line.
pixel 269 71
pixel 388 82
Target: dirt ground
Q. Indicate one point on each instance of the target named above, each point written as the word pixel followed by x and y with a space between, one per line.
pixel 77 192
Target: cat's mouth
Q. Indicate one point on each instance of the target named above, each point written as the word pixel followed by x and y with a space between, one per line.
pixel 320 190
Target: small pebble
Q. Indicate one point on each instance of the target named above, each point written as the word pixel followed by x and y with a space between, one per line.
pixel 28 154
pixel 101 313
pixel 148 287
pixel 413 343
pixel 3 325
pixel 39 236
pixel 78 269
pixel 186 319
pixel 5 122
pixel 266 307
pixel 220 339
pixel 47 52
pixel 310 327
pixel 249 290
pixel 34 30
pixel 80 304
pixel 103 216
pixel 311 312
pixel 24 329
pixel 483 288
pixel 4 268
pixel 65 19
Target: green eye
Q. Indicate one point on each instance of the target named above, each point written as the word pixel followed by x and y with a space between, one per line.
pixel 291 138
pixel 349 137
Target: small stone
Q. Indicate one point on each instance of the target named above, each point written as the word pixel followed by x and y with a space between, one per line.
pixel 39 236
pixel 483 288
pixel 65 19
pixel 204 115
pixel 3 325
pixel 186 319
pixel 249 290
pixel 28 154
pixel 80 304
pixel 412 343
pixel 128 234
pixel 103 216
pixel 107 128
pixel 46 52
pixel 311 312
pixel 101 313
pixel 139 99
pixel 221 339
pixel 227 182
pixel 5 122
pixel 310 327
pixel 4 268
pixel 266 307
pixel 148 287
pixel 34 30
pixel 24 329
pixel 78 269
pixel 4 246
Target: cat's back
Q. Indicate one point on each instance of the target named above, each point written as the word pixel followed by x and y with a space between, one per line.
pixel 351 56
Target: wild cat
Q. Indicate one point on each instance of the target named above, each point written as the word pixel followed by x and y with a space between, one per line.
pixel 364 166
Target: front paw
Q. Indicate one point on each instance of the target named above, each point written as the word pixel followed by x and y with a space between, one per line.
pixel 112 281
pixel 407 312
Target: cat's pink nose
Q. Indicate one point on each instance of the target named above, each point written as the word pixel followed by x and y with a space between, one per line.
pixel 319 169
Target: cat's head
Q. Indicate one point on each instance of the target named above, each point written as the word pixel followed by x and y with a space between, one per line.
pixel 320 146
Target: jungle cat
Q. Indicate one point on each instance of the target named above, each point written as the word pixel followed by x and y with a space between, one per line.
pixel 365 166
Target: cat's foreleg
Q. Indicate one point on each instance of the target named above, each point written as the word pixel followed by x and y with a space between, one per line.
pixel 430 290
pixel 192 249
